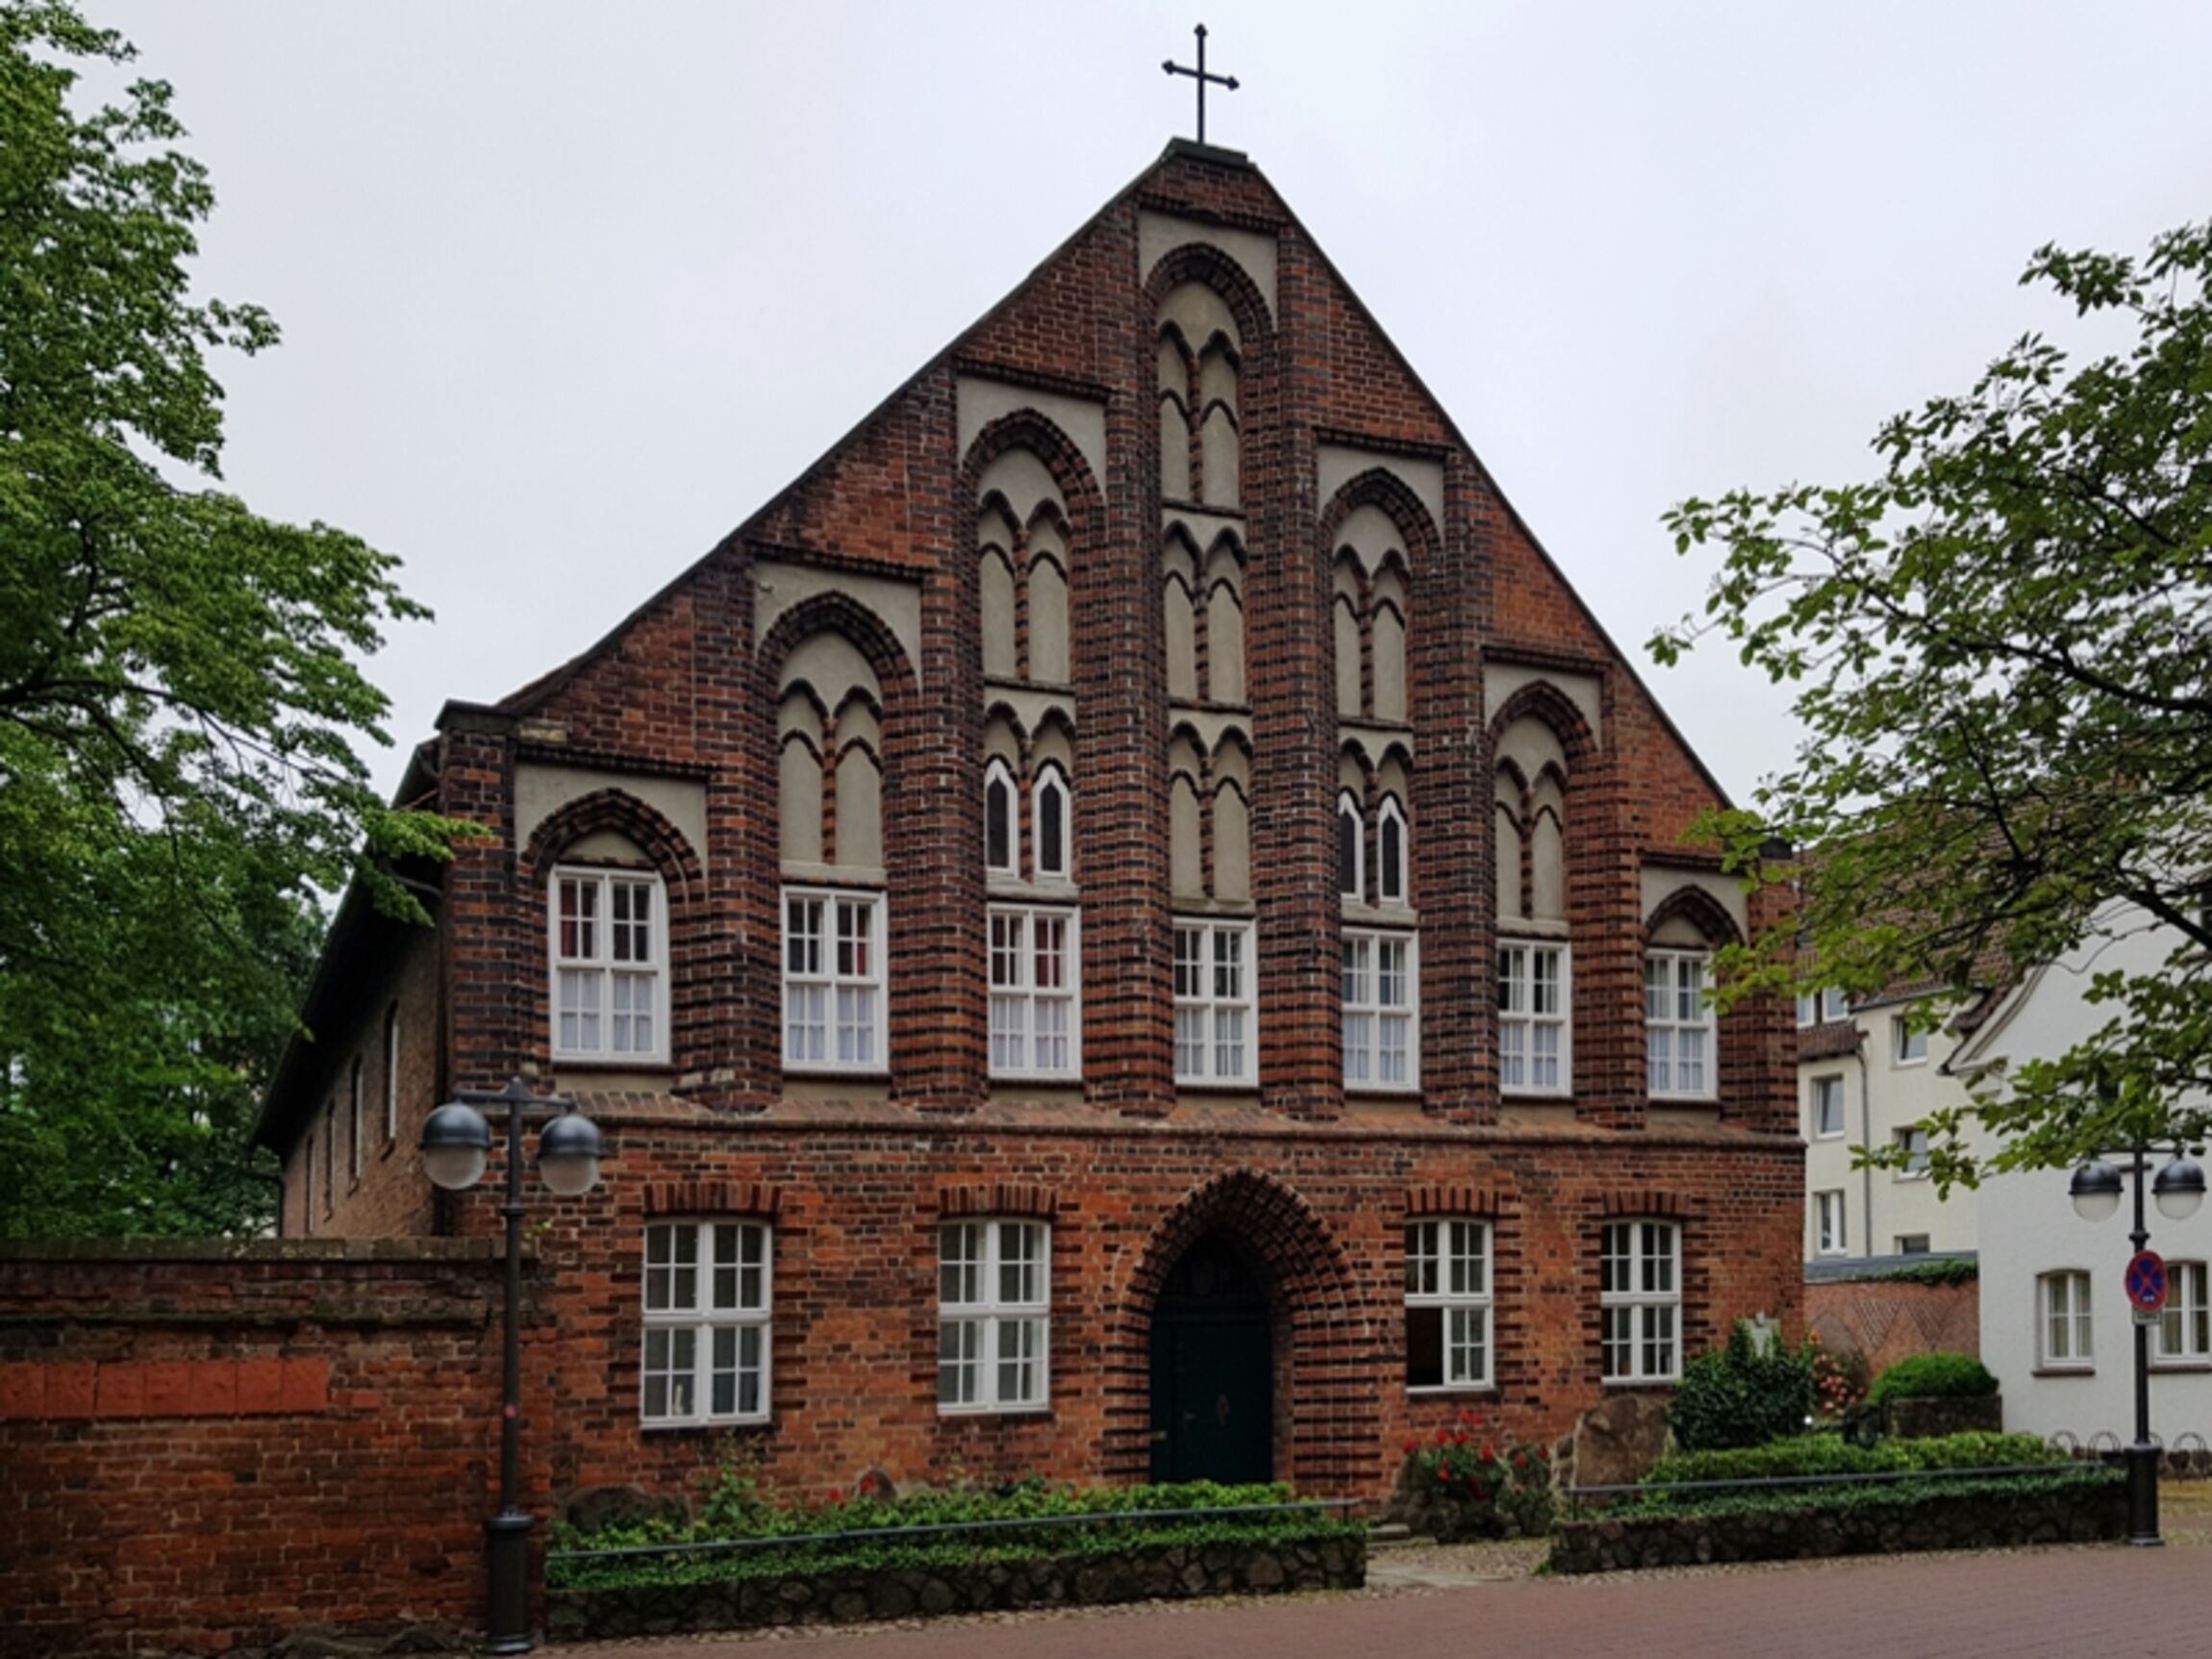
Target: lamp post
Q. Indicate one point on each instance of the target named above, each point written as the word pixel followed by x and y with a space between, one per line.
pixel 456 1144
pixel 2178 1189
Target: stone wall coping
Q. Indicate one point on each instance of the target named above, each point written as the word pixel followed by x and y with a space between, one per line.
pixel 249 1250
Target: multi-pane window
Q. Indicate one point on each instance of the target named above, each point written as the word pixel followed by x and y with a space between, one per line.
pixel 706 1301
pixel 608 949
pixel 2061 1309
pixel 1912 1243
pixel 1034 1025
pixel 1048 816
pixel 391 1072
pixel 993 1315
pixel 1913 1144
pixel 1640 1300
pixel 1827 1107
pixel 1828 1215
pixel 1532 1036
pixel 1214 1041
pixel 1909 1044
pixel 833 980
pixel 1677 1023
pixel 1823 1008
pixel 1447 1298
pixel 2184 1333
pixel 1390 852
pixel 1381 1033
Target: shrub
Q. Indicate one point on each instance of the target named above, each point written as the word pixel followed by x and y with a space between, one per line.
pixel 1459 1484
pixel 1932 1376
pixel 2066 1477
pixel 1839 1379
pixel 1831 1455
pixel 1734 1395
pixel 1948 1272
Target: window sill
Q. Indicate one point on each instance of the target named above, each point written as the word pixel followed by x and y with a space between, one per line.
pixel 1630 1384
pixel 1218 1085
pixel 1548 1096
pixel 1039 1079
pixel 603 1062
pixel 1908 1065
pixel 2184 1365
pixel 1440 1390
pixel 704 1424
pixel 1382 1091
pixel 1828 1135
pixel 968 1413
pixel 2058 1371
pixel 873 1073
pixel 1663 1099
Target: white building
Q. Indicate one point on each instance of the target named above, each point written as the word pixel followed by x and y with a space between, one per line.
pixel 2055 1325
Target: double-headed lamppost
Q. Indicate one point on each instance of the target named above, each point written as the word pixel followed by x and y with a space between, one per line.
pixel 456 1143
pixel 2178 1189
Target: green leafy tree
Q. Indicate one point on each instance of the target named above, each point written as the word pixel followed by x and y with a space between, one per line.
pixel 179 695
pixel 2000 649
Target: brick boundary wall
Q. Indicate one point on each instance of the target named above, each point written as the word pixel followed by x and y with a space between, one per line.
pixel 1887 1320
pixel 207 1443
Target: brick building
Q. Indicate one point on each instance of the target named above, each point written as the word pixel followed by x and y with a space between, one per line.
pixel 1128 921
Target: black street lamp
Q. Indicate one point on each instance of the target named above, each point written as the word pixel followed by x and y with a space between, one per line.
pixel 2178 1188
pixel 456 1144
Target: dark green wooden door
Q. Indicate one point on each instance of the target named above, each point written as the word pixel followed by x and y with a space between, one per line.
pixel 1212 1372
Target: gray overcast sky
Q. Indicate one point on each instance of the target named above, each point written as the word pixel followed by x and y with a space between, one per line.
pixel 569 291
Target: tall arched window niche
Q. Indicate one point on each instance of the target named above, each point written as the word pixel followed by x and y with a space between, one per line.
pixel 1535 963
pixel 1371 604
pixel 1198 356
pixel 1203 616
pixel 1022 537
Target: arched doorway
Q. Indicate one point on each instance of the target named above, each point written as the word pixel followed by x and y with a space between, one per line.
pixel 1213 1397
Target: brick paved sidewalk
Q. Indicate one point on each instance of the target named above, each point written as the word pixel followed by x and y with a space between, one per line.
pixel 2088 1603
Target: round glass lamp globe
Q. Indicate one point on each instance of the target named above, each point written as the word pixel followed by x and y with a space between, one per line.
pixel 568 1155
pixel 456 1143
pixel 2179 1190
pixel 2095 1190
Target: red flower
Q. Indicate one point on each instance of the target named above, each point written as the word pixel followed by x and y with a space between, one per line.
pixel 837 1495
pixel 1412 1445
pixel 1443 1475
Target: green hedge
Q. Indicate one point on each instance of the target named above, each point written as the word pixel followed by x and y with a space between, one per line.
pixel 1734 1396
pixel 2063 1478
pixel 1932 1376
pixel 1831 1455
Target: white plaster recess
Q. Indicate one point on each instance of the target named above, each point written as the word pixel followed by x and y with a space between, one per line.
pixel 1337 465
pixel 978 402
pixel 1159 234
pixel 1500 681
pixel 540 790
pixel 1660 884
pixel 781 586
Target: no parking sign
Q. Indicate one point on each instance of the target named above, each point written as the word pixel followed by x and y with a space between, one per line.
pixel 2147 1285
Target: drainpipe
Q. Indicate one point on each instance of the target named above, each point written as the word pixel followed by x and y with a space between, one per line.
pixel 1866 1139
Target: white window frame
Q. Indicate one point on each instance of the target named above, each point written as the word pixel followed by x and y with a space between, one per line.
pixel 1915 1140
pixel 1051 780
pixel 603 967
pixel 1835 1006
pixel 703 1315
pixel 1669 1031
pixel 1371 1017
pixel 352 1124
pixel 1349 808
pixel 1907 1246
pixel 1831 1223
pixel 1389 819
pixel 1824 1090
pixel 997 774
pixel 391 1074
pixel 1519 1023
pixel 1020 995
pixel 1902 1039
pixel 1808 1012
pixel 989 1311
pixel 2182 1336
pixel 1217 1027
pixel 2064 1321
pixel 850 1022
pixel 1448 1268
pixel 1639 1302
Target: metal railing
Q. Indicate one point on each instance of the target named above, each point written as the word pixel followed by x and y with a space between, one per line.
pixel 1009 1523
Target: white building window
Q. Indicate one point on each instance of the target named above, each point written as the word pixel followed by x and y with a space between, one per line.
pixel 1048 823
pixel 1036 1024
pixel 2062 1319
pixel 1381 1031
pixel 1000 832
pixel 1828 1107
pixel 1640 1298
pixel 2184 1333
pixel 609 955
pixel 706 1301
pixel 1829 1216
pixel 391 1074
pixel 1678 1025
pixel 1447 1298
pixel 1908 1044
pixel 833 981
pixel 1823 1008
pixel 1390 852
pixel 1913 1144
pixel 1351 850
pixel 1532 1030
pixel 1214 1037
pixel 994 1316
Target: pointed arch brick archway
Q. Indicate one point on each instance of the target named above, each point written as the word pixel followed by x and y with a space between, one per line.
pixel 1327 1399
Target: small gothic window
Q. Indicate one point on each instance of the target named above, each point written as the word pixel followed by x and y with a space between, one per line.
pixel 1051 807
pixel 998 820
pixel 1391 831
pixel 1349 852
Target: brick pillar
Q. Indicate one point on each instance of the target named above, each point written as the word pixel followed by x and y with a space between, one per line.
pixel 491 950
pixel 1605 906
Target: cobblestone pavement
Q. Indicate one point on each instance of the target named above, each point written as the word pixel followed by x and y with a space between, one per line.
pixel 2098 1602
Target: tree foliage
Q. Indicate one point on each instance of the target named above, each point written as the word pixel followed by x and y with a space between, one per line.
pixel 1999 647
pixel 178 690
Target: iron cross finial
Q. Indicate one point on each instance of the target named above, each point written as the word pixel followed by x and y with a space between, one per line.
pixel 1199 75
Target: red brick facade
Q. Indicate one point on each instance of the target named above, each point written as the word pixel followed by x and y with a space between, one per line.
pixel 1315 1185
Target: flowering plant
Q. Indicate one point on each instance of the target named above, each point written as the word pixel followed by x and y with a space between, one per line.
pixel 1465 1481
pixel 1839 1379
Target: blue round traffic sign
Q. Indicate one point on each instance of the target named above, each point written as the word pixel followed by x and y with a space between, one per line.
pixel 2147 1281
